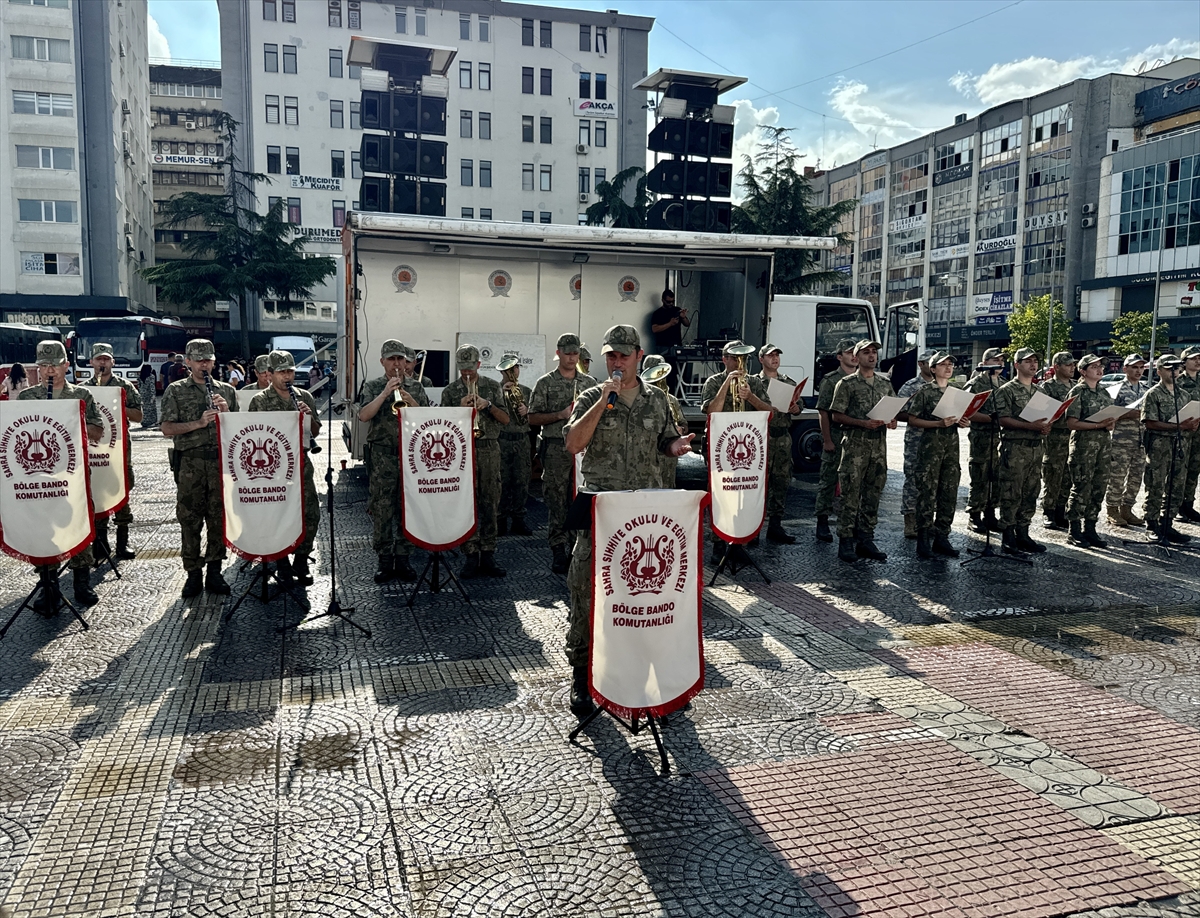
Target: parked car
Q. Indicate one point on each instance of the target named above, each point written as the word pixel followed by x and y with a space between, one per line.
pixel 1109 378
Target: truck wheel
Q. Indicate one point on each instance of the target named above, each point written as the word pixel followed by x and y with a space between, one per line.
pixel 806 447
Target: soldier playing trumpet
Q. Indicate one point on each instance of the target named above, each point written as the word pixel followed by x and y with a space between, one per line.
pixel 516 461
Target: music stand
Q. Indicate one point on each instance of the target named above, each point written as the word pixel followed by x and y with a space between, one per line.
pixel 45 587
pixel 107 559
pixel 431 573
pixel 262 579
pixel 634 729
pixel 738 559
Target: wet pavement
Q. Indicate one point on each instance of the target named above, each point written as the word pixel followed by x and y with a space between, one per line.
pixel 909 738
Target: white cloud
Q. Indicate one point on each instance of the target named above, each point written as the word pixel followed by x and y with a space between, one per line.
pixel 158 42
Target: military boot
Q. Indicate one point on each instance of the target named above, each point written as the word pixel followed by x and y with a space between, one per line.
pixel 776 533
pixel 562 562
pixel 488 566
pixel 502 525
pixel 194 585
pixel 1060 519
pixel 101 550
pixel 283 571
pixel 1155 532
pixel 1009 543
pixel 977 523
pixel 866 547
pixel 924 545
pixel 846 550
pixel 581 697
pixel 823 532
pixel 403 571
pixel 1128 516
pixel 301 572
pixel 387 569
pixel 82 582
pixel 1026 542
pixel 1116 516
pixel 992 522
pixel 910 527
pixel 124 552
pixel 49 599
pixel 1093 537
pixel 214 581
pixel 1172 534
pixel 471 569
pixel 1075 536
pixel 942 546
pixel 1188 515
pixel 519 528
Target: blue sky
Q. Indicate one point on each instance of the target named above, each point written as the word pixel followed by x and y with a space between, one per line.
pixel 825 68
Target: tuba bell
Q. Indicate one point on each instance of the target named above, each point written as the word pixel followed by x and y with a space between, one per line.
pixel 513 395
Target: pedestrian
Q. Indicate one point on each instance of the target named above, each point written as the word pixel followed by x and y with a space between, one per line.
pixel 831 437
pixel 1022 448
pixel 167 368
pixel 984 442
pixel 779 455
pixel 1166 451
pixel 236 375
pixel 1056 481
pixel 103 375
pixel 148 392
pixel 16 381
pixel 912 437
pixel 1091 444
pixel 1127 461
pixel 1189 381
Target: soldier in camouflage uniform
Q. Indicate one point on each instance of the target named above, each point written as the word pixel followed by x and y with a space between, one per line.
pixel 779 456
pixel 1022 447
pixel 983 443
pixel 937 471
pixel 102 364
pixel 278 398
pixel 383 453
pixel 487 398
pixel 52 367
pixel 413 386
pixel 554 395
pixel 667 464
pixel 1091 443
pixel 1056 480
pixel 1189 381
pixel 862 473
pixel 621 446
pixel 190 422
pixel 262 372
pixel 1127 461
pixel 1166 451
pixel 516 462
pixel 831 438
pixel 585 359
pixel 912 443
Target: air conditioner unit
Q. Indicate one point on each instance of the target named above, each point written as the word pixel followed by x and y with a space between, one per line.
pixel 124 107
pixel 128 228
pixel 1088 222
pixel 581 148
pixel 190 125
pixel 584 197
pixel 1089 208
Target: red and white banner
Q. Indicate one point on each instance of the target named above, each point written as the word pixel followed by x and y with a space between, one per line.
pixel 737 473
pixel 647 584
pixel 437 476
pixel 262 488
pixel 45 505
pixel 108 459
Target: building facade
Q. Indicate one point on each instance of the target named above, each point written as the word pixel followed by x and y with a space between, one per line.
pixel 74 120
pixel 995 209
pixel 541 110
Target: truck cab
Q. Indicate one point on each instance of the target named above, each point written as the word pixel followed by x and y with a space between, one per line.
pixel 903 338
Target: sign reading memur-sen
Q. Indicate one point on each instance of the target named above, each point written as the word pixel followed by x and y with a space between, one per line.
pixel 179 159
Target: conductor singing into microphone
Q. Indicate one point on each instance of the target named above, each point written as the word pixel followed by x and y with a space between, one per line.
pixel 621 444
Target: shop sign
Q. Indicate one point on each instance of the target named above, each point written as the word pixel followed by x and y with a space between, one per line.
pixel 595 108
pixel 874 161
pixel 984 246
pixel 984 304
pixel 907 223
pixel 39 318
pixel 179 159
pixel 320 233
pixel 316 182
pixel 962 250
pixel 953 174
pixel 1045 221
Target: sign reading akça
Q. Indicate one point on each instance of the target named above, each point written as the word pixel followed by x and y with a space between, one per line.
pixel 595 108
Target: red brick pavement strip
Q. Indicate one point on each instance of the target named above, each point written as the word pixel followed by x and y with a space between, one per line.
pixel 914 827
pixel 1131 744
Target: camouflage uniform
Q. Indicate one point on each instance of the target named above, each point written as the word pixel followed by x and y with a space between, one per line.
pixel 983 443
pixel 1190 385
pixel 1089 454
pixel 516 463
pixel 1056 481
pixel 862 472
pixel 1127 461
pixel 271 400
pixel 620 457
pixel 912 444
pixel 133 400
pixel 552 393
pixel 487 461
pixel 84 560
pixel 1021 453
pixel 779 453
pixel 383 495
pixel 198 496
pixel 827 480
pixel 937 471
pixel 713 384
pixel 1165 460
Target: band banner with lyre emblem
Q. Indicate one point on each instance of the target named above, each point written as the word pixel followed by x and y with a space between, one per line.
pixel 46 511
pixel 437 476
pixel 737 473
pixel 262 485
pixel 647 587
pixel 108 459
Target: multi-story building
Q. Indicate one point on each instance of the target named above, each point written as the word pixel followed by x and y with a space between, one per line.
pixel 1005 206
pixel 75 126
pixel 541 110
pixel 186 152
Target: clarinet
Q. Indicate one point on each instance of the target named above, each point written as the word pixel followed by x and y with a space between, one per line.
pixel 313 445
pixel 210 391
pixel 50 388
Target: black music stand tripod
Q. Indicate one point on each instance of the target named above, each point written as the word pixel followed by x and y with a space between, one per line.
pixel 46 587
pixel 993 471
pixel 736 558
pixel 263 575
pixel 633 726
pixel 431 573
pixel 107 558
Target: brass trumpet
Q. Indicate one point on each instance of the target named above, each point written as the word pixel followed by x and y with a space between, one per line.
pixel 473 391
pixel 741 352
pixel 398 395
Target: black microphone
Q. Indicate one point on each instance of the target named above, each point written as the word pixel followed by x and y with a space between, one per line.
pixel 612 396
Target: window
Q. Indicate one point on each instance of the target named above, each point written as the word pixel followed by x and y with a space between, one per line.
pixel 527 216
pixel 527 178
pixel 485 213
pixel 291 110
pixel 356 116
pixel 43 103
pixel 464 123
pixel 339 214
pixel 545 33
pixel 337 163
pixel 354 12
pixel 466 173
pixel 527 80
pixel 272 201
pixel 585 37
pixel 545 178
pixel 289 58
pixel 585 180
pixel 585 132
pixel 464 74
pixel 401 20
pixel 547 75
pixel 544 216
pixel 45 157
pixel 601 134
pixel 485 173
pixel 527 128
pixel 354 71
pixel 292 160
pixel 335 62
pixel 585 85
pixel 602 39
pixel 601 178
pixel 485 76
pixel 289 10
pixel 601 86
pixel 485 125
pixel 34 211
pixel 293 211
pixel 356 170
pixel 336 113
pixel 50 263
pixel 547 130
pixel 335 14
pixel 485 28
pixel 464 28
pixel 269 10
pixel 420 22
pixel 57 50
pixel 527 32
pixel 468 213
pixel 271 58
pixel 274 161
pixel 272 109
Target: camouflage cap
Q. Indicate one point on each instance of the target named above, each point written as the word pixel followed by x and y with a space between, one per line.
pixel 200 349
pixel 393 348
pixel 281 360
pixel 467 357
pixel 51 353
pixel 864 344
pixel 1132 359
pixel 937 359
pixel 410 353
pixel 1024 354
pixel 1087 360
pixel 768 348
pixel 927 355
pixel 262 363
pixel 846 344
pixel 568 344
pixel 101 350
pixel 584 353
pixel 1189 352
pixel 1168 362
pixel 623 339
pixel 992 353
pixel 1063 358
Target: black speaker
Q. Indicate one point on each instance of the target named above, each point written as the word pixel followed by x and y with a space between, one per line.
pixel 433 198
pixel 433 158
pixel 376 111
pixel 376 152
pixel 710 180
pixel 669 136
pixel 375 194
pixel 668 214
pixel 709 216
pixel 669 177
pixel 431 119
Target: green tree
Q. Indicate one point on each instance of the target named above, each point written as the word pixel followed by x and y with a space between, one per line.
pixel 779 201
pixel 232 250
pixel 613 206
pixel 1027 327
pixel 1131 334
